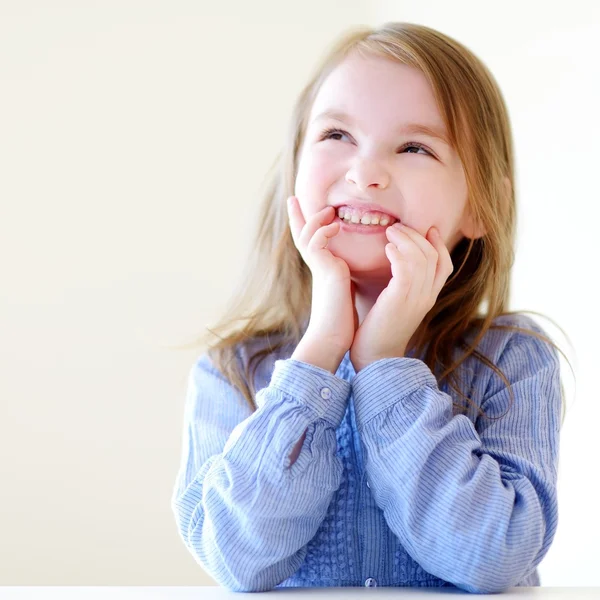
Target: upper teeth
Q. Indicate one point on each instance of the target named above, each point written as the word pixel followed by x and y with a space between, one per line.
pixel 368 218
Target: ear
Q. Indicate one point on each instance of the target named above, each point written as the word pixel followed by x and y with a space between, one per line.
pixel 472 230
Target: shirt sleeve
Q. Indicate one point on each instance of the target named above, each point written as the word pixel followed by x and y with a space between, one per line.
pixel 476 507
pixel 242 511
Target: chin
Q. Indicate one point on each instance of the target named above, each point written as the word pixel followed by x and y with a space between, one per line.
pixel 368 263
pixel 379 273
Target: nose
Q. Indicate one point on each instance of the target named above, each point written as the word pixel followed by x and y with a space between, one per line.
pixel 366 173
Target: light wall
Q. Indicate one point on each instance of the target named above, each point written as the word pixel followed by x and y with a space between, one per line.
pixel 129 130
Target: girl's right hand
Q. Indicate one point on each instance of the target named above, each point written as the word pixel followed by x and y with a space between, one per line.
pixel 333 318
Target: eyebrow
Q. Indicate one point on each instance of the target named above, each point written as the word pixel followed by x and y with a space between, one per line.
pixel 408 128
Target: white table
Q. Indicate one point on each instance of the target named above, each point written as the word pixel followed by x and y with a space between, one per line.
pixel 339 593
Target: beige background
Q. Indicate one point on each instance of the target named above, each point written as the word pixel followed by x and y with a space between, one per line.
pixel 128 130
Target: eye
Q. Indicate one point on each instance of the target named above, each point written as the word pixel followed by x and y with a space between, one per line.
pixel 327 133
pixel 415 145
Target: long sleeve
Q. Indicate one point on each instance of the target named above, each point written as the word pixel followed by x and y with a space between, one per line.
pixel 474 506
pixel 242 511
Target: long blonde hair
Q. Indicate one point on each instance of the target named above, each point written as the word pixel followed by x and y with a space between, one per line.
pixel 274 299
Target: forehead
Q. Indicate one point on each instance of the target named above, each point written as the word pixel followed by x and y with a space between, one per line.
pixel 378 89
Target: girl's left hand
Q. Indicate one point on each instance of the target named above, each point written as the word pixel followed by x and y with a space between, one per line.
pixel 420 267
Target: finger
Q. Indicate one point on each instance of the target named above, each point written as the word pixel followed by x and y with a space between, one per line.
pixel 401 270
pixel 422 263
pixel 444 264
pixel 431 255
pixel 409 247
pixel 320 218
pixel 295 213
pixel 322 236
pixel 424 245
pixel 429 291
pixel 296 218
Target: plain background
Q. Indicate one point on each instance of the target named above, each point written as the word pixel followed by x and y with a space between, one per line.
pixel 134 141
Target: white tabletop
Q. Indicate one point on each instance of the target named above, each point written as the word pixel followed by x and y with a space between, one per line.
pixel 340 593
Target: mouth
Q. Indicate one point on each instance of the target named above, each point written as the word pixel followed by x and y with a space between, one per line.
pixel 360 228
pixel 361 208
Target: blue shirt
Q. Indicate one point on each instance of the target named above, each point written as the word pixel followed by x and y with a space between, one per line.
pixel 392 487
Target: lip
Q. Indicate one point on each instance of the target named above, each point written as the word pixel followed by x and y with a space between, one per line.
pixel 358 228
pixel 367 206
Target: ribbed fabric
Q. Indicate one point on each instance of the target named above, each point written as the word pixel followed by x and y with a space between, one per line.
pixel 393 485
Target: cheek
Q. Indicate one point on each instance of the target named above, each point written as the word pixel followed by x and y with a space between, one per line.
pixel 437 210
pixel 317 171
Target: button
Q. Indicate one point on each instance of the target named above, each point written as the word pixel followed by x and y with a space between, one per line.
pixel 325 393
pixel 368 485
pixel 370 582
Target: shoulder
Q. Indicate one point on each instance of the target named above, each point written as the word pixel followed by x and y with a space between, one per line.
pixel 520 355
pixel 255 356
pixel 503 339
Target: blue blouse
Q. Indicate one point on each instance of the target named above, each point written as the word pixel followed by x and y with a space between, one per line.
pixel 392 487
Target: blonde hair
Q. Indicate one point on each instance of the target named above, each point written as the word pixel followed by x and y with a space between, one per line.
pixel 274 300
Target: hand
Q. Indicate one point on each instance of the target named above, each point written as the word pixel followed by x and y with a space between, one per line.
pixel 333 318
pixel 420 267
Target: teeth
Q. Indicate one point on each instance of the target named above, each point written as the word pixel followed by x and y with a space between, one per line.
pixel 374 219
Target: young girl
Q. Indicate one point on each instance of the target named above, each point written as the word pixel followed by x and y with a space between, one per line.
pixel 372 424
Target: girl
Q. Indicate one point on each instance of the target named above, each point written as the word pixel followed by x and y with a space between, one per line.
pixel 372 424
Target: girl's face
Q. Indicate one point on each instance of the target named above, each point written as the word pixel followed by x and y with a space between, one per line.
pixel 374 156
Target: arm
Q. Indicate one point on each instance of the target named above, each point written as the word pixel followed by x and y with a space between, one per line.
pixel 315 354
pixel 243 510
pixel 474 506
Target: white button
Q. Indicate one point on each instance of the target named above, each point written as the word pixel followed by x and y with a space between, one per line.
pixel 370 582
pixel 325 393
pixel 368 485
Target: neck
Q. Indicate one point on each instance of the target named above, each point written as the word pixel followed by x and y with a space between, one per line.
pixel 365 294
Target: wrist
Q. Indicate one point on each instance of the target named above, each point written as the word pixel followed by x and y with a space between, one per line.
pixel 316 352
